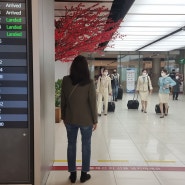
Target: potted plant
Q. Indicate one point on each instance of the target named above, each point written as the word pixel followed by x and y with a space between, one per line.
pixel 58 84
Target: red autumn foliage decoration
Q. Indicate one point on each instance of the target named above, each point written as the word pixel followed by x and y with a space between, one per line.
pixel 82 30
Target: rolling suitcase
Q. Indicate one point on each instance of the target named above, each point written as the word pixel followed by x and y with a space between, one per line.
pixel 111 105
pixel 133 104
pixel 157 108
pixel 120 93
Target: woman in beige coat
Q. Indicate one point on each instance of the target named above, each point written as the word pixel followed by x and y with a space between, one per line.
pixel 144 87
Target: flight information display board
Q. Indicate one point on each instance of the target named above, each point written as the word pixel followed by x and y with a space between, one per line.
pixel 16 93
pixel 14 65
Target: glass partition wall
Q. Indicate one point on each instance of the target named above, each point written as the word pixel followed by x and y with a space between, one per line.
pixel 147 60
pixel 130 64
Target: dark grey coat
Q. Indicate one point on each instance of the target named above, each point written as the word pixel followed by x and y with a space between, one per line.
pixel 81 108
pixel 176 88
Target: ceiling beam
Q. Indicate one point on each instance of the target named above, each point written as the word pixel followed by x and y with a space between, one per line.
pixel 118 11
pixel 176 31
pixel 84 1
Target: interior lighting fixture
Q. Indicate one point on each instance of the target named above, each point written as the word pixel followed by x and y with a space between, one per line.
pixel 148 23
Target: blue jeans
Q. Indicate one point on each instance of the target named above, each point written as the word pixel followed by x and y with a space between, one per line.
pixel 115 92
pixel 86 133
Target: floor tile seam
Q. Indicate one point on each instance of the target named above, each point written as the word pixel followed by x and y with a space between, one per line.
pixel 183 162
pixel 140 151
pixel 104 138
pixel 159 139
pixel 109 155
pixel 157 178
pixel 164 144
pixel 135 144
pixel 143 156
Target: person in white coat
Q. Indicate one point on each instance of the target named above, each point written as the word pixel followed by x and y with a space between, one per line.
pixel 103 90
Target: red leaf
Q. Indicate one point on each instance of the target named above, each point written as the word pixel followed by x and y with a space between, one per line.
pixel 82 30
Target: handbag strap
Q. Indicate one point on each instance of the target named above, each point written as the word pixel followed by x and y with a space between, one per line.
pixel 148 83
pixel 72 91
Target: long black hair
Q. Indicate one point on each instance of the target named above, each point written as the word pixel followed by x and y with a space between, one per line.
pixel 79 71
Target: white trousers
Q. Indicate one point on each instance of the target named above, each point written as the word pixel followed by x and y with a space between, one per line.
pixel 100 103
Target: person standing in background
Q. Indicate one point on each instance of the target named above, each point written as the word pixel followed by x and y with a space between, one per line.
pixel 115 84
pixel 79 111
pixel 176 88
pixel 144 87
pixel 103 90
pixel 164 82
pixel 173 74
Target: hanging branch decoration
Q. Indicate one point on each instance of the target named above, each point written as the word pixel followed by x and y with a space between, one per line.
pixel 82 30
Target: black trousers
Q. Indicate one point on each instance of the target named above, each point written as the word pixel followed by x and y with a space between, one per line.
pixel 175 95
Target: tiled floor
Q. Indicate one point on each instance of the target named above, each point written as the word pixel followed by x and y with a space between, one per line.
pixel 131 148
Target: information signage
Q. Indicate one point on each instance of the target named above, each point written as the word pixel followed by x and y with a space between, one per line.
pixel 130 78
pixel 14 65
pixel 182 61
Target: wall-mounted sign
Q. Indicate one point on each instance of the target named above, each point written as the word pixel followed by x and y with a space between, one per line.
pixel 130 79
pixel 182 61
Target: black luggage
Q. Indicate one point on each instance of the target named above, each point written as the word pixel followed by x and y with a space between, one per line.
pixel 157 108
pixel 111 106
pixel 120 93
pixel 133 104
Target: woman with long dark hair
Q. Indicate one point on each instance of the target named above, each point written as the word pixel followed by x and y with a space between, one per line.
pixel 79 111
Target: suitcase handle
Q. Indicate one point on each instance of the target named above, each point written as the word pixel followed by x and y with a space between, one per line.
pixel 136 96
pixel 110 98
